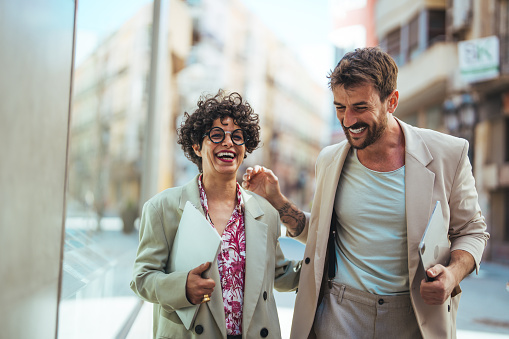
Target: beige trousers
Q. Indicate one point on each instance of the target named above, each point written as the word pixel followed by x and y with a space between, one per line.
pixel 349 313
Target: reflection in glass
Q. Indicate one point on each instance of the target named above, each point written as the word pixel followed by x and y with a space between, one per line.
pixel 113 47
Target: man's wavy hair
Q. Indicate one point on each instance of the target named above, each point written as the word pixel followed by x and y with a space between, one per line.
pixel 210 108
pixel 366 65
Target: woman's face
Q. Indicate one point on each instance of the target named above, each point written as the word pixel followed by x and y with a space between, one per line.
pixel 224 157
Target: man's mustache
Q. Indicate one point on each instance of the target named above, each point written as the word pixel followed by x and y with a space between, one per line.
pixel 356 126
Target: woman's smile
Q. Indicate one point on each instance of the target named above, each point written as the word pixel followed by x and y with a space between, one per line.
pixel 226 156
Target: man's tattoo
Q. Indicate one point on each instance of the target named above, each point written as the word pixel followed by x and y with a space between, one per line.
pixel 293 218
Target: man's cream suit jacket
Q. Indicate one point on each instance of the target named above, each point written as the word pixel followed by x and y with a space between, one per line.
pixel 436 169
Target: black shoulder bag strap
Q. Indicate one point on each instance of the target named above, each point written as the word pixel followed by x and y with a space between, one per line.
pixel 331 249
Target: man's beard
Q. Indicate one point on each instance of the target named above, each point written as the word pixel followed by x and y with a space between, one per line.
pixel 373 133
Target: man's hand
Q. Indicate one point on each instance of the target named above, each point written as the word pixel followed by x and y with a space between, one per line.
pixel 196 286
pixel 263 182
pixel 437 291
pixel 445 279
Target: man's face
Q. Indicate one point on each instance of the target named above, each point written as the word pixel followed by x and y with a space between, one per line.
pixel 361 114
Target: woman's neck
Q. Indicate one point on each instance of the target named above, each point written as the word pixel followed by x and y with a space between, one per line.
pixel 220 188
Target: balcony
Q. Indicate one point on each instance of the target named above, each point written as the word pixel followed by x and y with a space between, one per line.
pixel 424 80
pixel 389 14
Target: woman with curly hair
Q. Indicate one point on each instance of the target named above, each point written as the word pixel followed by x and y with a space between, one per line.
pixel 237 300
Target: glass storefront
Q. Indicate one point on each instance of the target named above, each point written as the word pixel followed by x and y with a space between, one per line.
pixel 113 45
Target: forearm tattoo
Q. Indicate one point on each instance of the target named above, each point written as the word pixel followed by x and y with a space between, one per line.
pixel 293 218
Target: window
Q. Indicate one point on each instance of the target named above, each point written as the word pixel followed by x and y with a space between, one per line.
pixel 436 26
pixel 413 38
pixel 506 215
pixel 506 133
pixel 113 48
pixel 394 44
pixel 502 8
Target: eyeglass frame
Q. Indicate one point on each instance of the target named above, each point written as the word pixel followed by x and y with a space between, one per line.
pixel 224 135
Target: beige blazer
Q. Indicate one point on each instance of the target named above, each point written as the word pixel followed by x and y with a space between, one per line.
pixel 436 169
pixel 266 268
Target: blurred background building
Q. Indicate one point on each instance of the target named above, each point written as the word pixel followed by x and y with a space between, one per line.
pixel 101 137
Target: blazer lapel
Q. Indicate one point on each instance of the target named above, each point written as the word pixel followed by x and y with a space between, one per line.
pixel 191 192
pixel 328 188
pixel 419 181
pixel 256 251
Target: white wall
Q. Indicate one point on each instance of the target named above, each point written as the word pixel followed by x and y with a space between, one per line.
pixel 36 39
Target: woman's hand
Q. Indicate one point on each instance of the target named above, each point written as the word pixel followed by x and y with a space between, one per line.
pixel 197 286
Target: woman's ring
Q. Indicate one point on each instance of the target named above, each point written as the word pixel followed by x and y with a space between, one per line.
pixel 205 298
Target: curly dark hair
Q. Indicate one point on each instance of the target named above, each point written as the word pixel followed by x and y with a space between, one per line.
pixel 210 108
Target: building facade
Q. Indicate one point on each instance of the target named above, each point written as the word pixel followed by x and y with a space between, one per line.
pixel 109 112
pixel 453 66
pixel 233 50
pixel 485 31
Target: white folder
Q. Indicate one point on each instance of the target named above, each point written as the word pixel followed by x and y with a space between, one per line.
pixel 434 247
pixel 196 243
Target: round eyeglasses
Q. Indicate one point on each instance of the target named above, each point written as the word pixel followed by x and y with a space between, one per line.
pixel 217 135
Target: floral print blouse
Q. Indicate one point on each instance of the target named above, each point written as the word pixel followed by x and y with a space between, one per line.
pixel 231 262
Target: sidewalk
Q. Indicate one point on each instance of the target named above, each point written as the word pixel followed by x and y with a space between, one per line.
pixel 142 327
pixel 484 304
pixel 483 310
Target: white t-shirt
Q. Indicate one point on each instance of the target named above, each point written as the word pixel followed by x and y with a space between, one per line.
pixel 371 248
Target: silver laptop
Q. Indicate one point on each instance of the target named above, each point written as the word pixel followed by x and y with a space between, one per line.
pixel 434 247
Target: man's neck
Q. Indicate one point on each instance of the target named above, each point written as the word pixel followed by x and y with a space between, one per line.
pixel 387 153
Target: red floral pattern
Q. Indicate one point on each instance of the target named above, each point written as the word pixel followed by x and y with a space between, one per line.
pixel 231 262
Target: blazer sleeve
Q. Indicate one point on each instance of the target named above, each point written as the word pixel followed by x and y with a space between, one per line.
pixel 467 228
pixel 151 282
pixel 323 160
pixel 287 272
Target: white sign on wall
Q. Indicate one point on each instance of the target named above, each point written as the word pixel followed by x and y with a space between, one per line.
pixel 479 59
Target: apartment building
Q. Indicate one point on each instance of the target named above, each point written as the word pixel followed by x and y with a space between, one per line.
pixel 485 40
pixel 453 64
pixel 109 112
pixel 235 51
